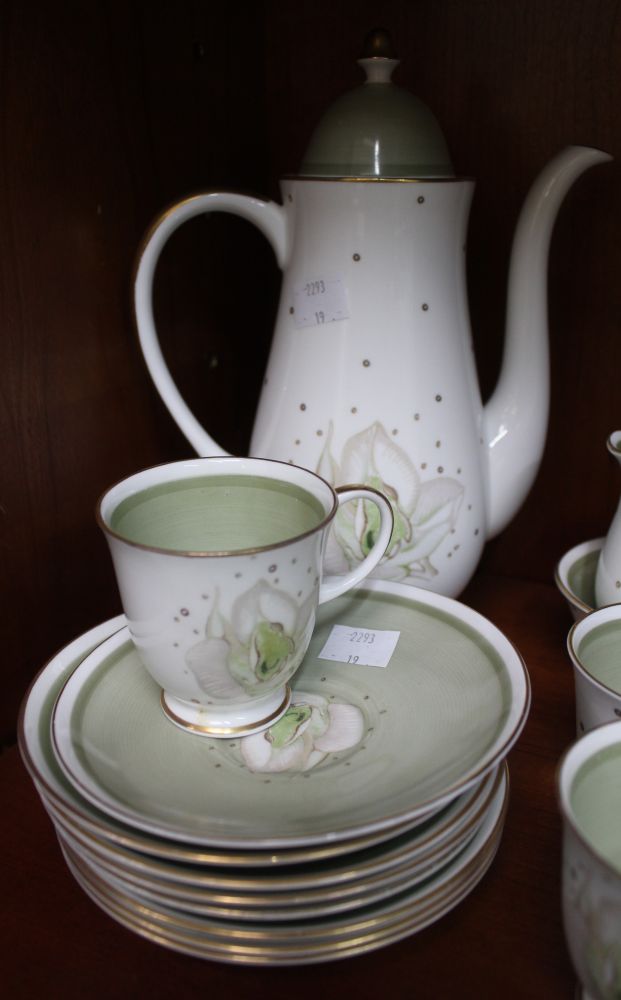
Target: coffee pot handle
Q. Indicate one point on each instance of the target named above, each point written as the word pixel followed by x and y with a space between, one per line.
pixel 267 216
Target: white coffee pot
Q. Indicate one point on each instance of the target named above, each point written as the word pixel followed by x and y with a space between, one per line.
pixel 371 376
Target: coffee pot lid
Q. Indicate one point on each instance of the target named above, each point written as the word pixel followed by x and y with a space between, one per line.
pixel 377 130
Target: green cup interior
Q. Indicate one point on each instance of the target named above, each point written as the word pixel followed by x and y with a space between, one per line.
pixel 595 799
pixel 581 577
pixel 600 654
pixel 216 514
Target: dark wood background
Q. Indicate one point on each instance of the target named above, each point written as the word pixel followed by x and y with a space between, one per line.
pixel 110 109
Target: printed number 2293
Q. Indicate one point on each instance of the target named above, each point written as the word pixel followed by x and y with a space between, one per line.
pixel 367 637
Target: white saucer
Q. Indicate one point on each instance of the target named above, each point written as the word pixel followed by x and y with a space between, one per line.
pixel 442 714
pixel 316 891
pixel 304 941
pixel 66 805
pixel 425 842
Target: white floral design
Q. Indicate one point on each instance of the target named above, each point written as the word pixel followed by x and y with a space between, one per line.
pixel 424 512
pixel 310 729
pixel 596 919
pixel 258 649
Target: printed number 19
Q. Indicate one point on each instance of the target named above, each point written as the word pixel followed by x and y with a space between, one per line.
pixel 352 659
pixel 320 317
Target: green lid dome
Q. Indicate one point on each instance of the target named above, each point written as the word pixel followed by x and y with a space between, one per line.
pixel 377 130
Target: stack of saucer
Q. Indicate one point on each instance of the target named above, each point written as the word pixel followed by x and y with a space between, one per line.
pixel 373 808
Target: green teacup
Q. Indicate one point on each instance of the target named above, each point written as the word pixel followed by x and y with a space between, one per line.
pixel 590 798
pixel 219 565
pixel 594 645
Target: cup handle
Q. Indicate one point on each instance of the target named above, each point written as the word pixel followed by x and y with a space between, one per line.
pixel 334 586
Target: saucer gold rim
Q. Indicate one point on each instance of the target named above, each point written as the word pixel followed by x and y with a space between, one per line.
pixel 341 871
pixel 295 906
pixel 354 938
pixel 249 935
pixel 137 919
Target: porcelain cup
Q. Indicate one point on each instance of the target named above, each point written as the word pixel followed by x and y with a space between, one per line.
pixel 219 566
pixel 590 799
pixel 594 645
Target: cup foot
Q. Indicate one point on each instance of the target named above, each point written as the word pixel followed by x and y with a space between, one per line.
pixel 220 723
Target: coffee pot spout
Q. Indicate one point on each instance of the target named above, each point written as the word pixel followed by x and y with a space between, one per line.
pixel 515 419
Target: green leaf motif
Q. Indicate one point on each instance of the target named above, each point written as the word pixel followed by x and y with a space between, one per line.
pixel 273 649
pixel 424 513
pixel 402 529
pixel 287 728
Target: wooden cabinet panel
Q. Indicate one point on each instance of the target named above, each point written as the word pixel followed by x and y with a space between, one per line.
pixel 112 110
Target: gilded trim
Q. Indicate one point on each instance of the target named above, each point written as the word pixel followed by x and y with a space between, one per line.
pixel 260 857
pixel 577 662
pixel 566 810
pixel 201 938
pixel 252 937
pixel 569 594
pixel 229 901
pixel 218 731
pixel 107 530
pixel 376 180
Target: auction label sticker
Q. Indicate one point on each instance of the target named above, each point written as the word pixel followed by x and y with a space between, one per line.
pixel 367 647
pixel 320 300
